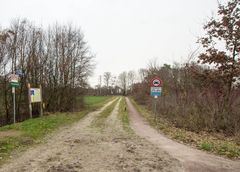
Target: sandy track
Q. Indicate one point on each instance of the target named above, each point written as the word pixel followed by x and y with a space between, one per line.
pixel 84 147
pixel 192 160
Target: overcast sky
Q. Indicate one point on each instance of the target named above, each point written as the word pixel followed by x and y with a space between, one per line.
pixel 124 34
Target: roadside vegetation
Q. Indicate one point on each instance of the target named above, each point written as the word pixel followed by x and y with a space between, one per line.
pixel 99 121
pixel 211 142
pixel 21 135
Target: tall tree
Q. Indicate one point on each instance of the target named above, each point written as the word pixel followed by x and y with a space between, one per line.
pixel 131 79
pixel 223 30
pixel 106 78
pixel 123 82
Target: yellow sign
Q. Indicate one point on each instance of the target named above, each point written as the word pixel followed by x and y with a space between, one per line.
pixel 35 95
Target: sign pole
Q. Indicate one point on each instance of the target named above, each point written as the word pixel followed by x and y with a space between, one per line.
pixel 155 108
pixel 14 105
pixel 41 103
pixel 155 91
pixel 13 78
pixel 29 100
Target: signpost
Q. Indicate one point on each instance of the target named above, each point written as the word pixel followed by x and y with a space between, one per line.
pixel 156 91
pixel 14 83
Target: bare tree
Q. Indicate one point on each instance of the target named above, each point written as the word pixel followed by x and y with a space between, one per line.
pixel 142 74
pixel 131 79
pixel 106 78
pixel 123 82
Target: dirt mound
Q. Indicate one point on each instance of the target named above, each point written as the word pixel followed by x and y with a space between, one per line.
pixel 9 133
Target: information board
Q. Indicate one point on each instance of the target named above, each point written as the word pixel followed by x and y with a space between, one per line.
pixel 35 94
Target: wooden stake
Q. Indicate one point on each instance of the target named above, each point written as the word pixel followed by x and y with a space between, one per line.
pixel 41 103
pixel 29 100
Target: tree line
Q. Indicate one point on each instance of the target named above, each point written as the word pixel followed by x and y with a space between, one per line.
pixel 57 58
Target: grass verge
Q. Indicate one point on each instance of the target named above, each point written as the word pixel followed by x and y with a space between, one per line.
pixel 32 131
pixel 123 115
pixel 96 101
pixel 99 121
pixel 216 144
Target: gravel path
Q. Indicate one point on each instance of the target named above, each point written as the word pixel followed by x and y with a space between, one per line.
pixel 192 160
pixel 84 147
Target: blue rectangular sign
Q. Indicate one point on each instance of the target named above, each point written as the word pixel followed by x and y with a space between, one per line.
pixel 156 91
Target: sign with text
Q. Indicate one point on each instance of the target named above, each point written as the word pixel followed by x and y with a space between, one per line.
pixel 35 94
pixel 13 78
pixel 14 84
pixel 156 91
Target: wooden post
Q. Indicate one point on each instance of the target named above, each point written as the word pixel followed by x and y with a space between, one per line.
pixel 29 100
pixel 41 103
pixel 14 104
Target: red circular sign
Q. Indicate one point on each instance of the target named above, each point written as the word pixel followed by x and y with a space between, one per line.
pixel 156 82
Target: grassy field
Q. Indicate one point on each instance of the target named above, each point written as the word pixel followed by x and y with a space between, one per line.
pixel 20 135
pixel 96 101
pixel 215 143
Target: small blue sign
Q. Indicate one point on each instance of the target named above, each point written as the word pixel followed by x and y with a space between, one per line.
pixel 19 72
pixel 32 92
pixel 156 91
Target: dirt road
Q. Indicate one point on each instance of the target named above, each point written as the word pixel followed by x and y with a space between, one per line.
pixel 192 160
pixel 85 147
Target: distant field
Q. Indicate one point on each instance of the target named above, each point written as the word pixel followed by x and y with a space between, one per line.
pixel 93 100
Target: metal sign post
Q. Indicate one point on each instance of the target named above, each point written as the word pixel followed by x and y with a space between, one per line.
pixel 14 104
pixel 29 100
pixel 14 83
pixel 155 108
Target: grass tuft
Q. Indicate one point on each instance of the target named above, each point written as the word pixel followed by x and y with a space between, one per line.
pixel 123 114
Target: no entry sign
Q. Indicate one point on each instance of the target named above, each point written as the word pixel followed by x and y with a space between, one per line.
pixel 156 82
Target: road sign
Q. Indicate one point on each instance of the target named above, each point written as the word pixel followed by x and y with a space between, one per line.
pixel 19 72
pixel 13 78
pixel 156 91
pixel 156 82
pixel 15 84
pixel 35 94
